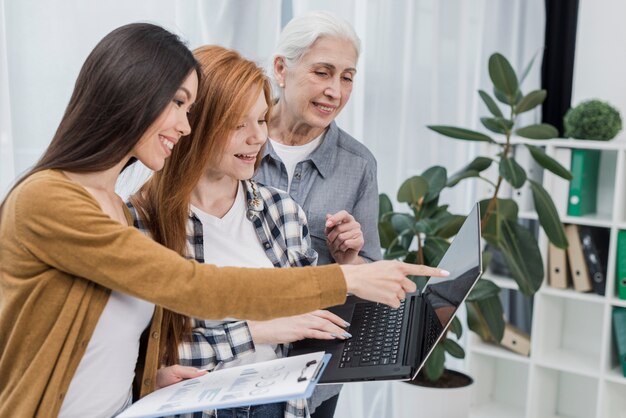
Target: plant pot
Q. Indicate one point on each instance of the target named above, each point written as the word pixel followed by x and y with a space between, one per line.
pixel 411 399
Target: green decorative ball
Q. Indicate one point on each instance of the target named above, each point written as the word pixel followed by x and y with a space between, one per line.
pixel 592 119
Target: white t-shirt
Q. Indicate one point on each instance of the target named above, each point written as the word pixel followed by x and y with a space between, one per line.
pixel 102 385
pixel 291 155
pixel 231 241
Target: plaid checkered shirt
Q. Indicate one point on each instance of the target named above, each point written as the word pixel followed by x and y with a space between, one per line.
pixel 281 226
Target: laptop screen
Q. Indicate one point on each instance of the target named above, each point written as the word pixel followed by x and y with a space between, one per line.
pixel 463 260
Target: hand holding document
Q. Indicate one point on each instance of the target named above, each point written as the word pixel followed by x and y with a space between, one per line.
pixel 266 382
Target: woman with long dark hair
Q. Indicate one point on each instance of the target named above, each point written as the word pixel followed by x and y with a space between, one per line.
pixel 78 285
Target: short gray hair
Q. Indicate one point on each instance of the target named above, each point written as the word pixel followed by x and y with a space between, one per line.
pixel 302 31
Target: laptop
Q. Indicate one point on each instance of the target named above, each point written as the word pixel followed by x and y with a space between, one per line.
pixel 393 344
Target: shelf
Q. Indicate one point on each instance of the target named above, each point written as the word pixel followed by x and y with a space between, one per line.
pixel 618 302
pixel 562 394
pixel 502 391
pixel 572 294
pixel 615 375
pixel 572 370
pixel 571 362
pixel 614 145
pixel 613 403
pixel 568 336
pixel 496 410
pixel 603 220
pixel 496 351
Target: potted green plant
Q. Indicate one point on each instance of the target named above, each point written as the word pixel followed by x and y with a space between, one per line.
pixel 592 119
pixel 421 235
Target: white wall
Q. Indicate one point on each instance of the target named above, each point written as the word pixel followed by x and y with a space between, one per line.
pixel 600 59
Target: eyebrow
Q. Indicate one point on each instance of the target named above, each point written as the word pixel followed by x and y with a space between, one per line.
pixel 187 92
pixel 332 67
pixel 264 112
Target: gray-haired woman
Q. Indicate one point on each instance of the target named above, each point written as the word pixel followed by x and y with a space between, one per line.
pixel 329 173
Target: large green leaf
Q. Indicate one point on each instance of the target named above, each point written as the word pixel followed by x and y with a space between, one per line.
pixel 503 209
pixel 497 125
pixel 491 104
pixel 487 256
pixel 502 97
pixel 450 226
pixel 434 248
pixel 473 169
pixel 402 222
pixel 502 75
pixel 425 226
pixel 485 318
pixel 521 252
pixel 455 327
pixel 548 162
pixel 492 312
pixel 406 239
pixel 477 323
pixel 548 216
pixel 539 131
pixel 512 172
pixel 434 366
pixel 396 251
pixel 436 177
pixel 529 66
pixel 387 233
pixel 384 205
pixel 480 164
pixel 413 190
pixel 482 290
pixel 460 133
pixel 462 175
pixel 453 348
pixel 429 209
pixel 530 101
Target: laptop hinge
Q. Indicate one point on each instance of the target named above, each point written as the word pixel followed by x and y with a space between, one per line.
pixel 410 345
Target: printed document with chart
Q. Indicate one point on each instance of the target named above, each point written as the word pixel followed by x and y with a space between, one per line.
pixel 252 384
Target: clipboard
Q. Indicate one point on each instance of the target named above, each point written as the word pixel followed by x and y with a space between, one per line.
pixel 270 381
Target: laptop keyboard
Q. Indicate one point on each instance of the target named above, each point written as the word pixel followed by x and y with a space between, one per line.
pixel 377 341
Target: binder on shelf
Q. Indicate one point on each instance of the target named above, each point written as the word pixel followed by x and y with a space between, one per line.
pixel 619 333
pixel 516 340
pixel 620 278
pixel 595 244
pixel 583 190
pixel 251 384
pixel 558 275
pixel 576 258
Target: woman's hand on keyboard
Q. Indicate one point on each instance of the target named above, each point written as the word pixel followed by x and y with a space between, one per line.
pixel 321 325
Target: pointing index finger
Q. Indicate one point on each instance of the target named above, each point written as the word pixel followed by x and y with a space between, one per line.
pixel 421 270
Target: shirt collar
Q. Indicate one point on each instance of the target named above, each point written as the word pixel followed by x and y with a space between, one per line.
pixel 323 157
pixel 254 201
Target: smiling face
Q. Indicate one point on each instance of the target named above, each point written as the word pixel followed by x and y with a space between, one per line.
pixel 157 142
pixel 319 85
pixel 244 144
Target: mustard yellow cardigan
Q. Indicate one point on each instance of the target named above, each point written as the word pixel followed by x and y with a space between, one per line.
pixel 60 256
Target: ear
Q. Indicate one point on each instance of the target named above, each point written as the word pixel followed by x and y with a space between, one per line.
pixel 279 69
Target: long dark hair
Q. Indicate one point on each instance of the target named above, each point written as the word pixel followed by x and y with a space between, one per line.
pixel 123 86
pixel 230 86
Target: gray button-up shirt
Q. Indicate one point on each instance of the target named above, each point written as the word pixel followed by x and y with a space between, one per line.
pixel 339 175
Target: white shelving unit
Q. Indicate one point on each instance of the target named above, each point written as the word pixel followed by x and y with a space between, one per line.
pixel 572 370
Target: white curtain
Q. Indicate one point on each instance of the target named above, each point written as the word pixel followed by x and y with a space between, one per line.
pixel 422 63
pixel 7 166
